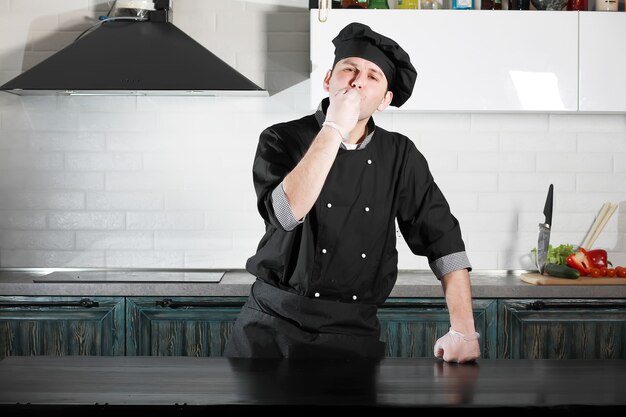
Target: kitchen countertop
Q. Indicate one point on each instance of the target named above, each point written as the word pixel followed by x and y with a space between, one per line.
pixel 104 385
pixel 418 283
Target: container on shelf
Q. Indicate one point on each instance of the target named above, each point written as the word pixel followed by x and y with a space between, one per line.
pixel 577 5
pixel 378 4
pixel 431 4
pixel 519 4
pixel 462 4
pixel 354 4
pixel 607 5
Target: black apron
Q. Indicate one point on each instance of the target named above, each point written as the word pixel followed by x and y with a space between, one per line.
pixel 279 323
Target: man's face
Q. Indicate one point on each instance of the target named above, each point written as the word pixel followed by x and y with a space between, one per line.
pixel 364 76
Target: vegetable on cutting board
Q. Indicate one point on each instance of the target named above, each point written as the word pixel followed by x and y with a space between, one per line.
pixel 557 254
pixel 599 258
pixel 561 271
pixel 581 261
pixel 563 261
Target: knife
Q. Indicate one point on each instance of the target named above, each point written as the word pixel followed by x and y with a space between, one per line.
pixel 544 232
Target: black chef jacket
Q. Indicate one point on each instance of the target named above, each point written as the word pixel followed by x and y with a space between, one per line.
pixel 345 249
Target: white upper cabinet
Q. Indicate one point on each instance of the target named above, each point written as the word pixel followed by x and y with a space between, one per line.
pixel 475 60
pixel 602 62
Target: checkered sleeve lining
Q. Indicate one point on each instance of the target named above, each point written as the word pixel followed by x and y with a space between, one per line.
pixel 282 210
pixel 450 263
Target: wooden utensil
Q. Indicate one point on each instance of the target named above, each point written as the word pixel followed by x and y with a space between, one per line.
pixel 538 279
pixel 606 219
pixel 607 216
pixel 594 227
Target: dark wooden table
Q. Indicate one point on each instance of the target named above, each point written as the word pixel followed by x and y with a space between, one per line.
pixel 79 385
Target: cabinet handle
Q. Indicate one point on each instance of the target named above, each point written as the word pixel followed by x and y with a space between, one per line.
pixel 541 305
pixel 322 13
pixel 169 303
pixel 85 302
pixel 415 305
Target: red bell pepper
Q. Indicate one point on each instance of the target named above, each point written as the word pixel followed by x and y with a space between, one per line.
pixel 599 258
pixel 581 261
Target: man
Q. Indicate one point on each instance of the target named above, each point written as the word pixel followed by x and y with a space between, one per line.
pixel 330 188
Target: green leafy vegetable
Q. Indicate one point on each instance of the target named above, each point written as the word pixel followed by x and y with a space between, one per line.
pixel 557 255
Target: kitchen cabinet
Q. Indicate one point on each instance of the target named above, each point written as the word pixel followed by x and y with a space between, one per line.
pixel 61 326
pixel 483 60
pixel 562 329
pixel 180 326
pixel 200 326
pixel 602 81
pixel 410 327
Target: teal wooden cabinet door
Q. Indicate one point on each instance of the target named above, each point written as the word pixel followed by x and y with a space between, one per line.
pixel 562 329
pixel 410 327
pixel 180 326
pixel 61 326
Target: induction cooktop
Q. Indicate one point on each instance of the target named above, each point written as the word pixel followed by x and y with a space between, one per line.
pixel 151 275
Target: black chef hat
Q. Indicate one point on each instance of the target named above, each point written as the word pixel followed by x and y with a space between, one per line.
pixel 359 40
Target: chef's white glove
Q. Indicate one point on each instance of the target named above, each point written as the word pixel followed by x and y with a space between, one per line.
pixel 457 347
pixel 343 111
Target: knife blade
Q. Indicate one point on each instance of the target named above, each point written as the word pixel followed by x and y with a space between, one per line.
pixel 543 241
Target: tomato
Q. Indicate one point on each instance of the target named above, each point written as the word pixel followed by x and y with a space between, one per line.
pixel 595 272
pixel 604 271
pixel 621 273
pixel 610 272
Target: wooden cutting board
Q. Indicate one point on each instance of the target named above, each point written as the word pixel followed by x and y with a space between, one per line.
pixel 538 279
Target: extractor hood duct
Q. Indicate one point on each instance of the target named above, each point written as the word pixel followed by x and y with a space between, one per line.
pixel 134 56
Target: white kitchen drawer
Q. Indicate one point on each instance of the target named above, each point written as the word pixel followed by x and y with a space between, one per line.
pixel 474 60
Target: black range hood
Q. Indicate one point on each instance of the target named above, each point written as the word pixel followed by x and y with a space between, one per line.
pixel 132 57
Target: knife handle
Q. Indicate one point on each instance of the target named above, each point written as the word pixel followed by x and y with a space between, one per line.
pixel 547 210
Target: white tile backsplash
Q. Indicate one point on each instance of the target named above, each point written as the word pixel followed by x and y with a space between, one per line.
pixel 89 220
pixel 534 123
pixel 25 258
pixel 84 181
pixel 124 200
pixel 167 181
pixel 41 200
pixel 22 219
pixel 31 161
pixel 66 141
pixel 587 123
pixel 115 240
pixel 40 239
pixel 104 161
pixel 130 258
pixel 177 220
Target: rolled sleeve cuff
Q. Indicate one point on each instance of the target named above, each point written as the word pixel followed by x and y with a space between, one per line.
pixel 450 263
pixel 282 210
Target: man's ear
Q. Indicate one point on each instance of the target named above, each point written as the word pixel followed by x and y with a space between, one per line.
pixel 385 101
pixel 327 80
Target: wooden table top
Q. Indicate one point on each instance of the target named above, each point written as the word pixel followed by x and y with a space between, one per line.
pixel 400 383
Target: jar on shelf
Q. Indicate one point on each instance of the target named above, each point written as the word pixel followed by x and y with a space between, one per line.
pixel 491 4
pixel 408 4
pixel 578 5
pixel 431 4
pixel 519 4
pixel 354 4
pixel 607 5
pixel 378 4
pixel 462 4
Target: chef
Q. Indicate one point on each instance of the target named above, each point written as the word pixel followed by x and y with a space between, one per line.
pixel 330 188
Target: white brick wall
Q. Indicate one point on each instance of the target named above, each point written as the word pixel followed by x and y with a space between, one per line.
pixel 166 181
